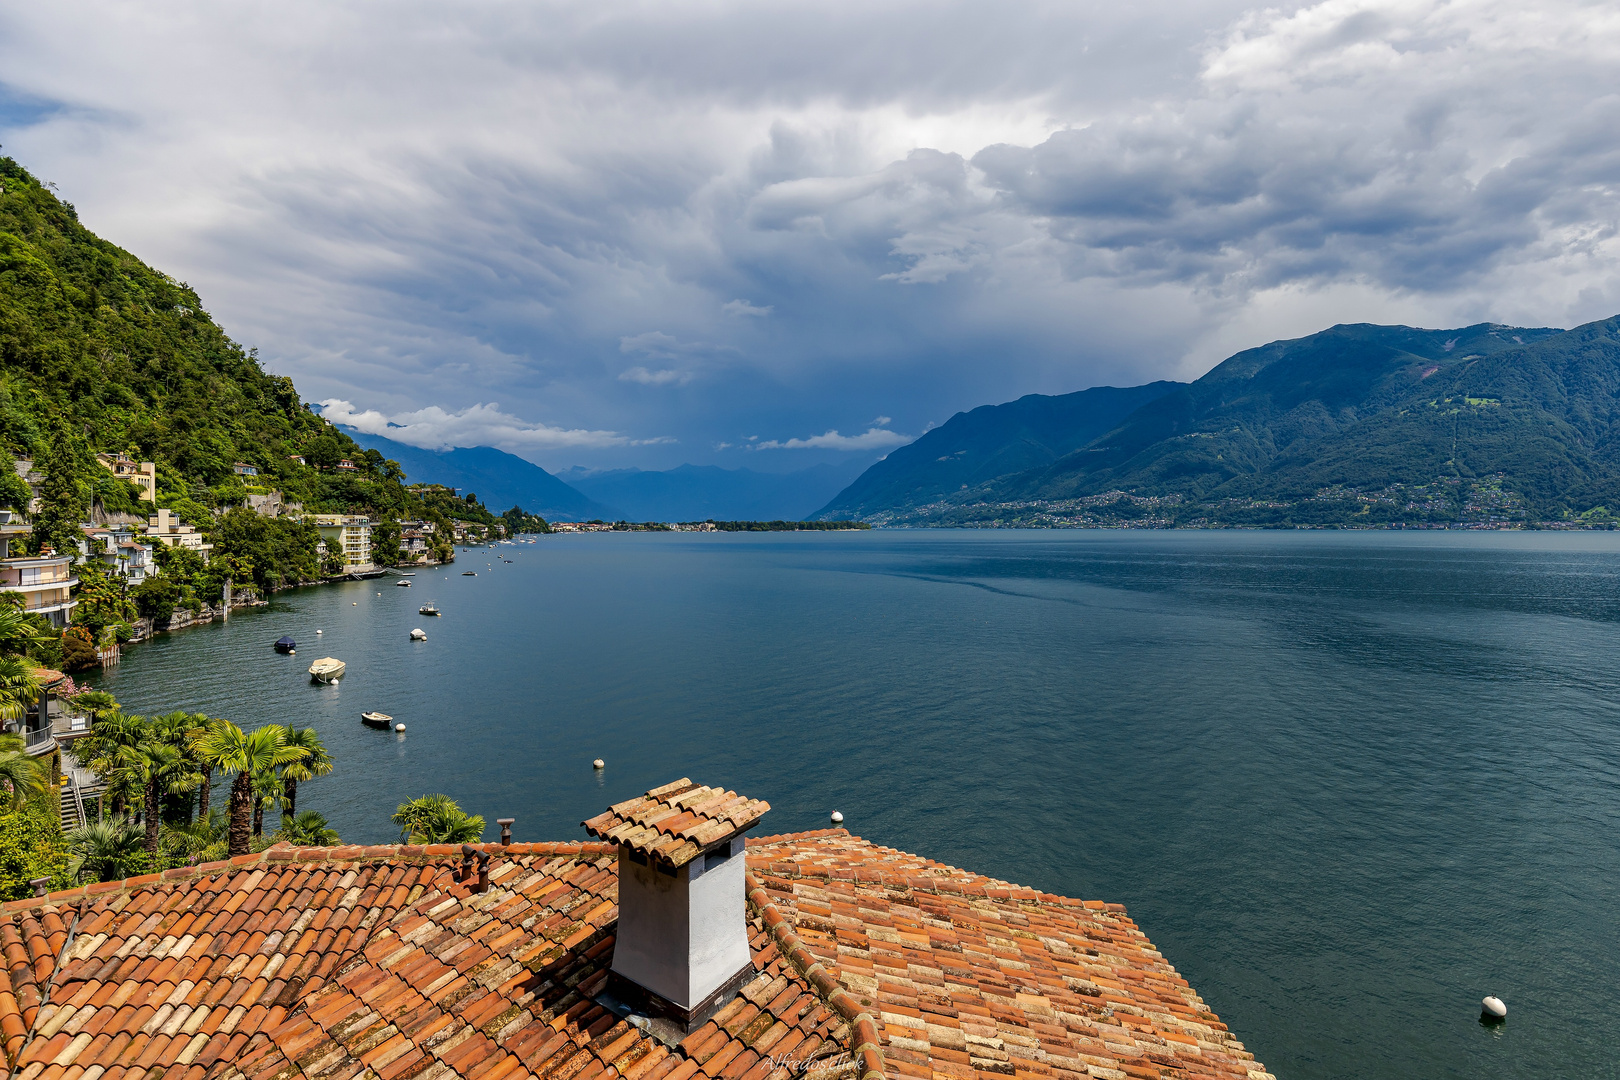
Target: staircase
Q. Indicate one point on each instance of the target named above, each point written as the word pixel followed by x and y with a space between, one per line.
pixel 72 808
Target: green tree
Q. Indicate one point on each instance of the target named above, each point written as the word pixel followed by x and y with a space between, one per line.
pixel 102 602
pixel 203 840
pixel 19 688
pixel 385 543
pixel 436 819
pixel 307 829
pixel 227 748
pixel 21 777
pixel 19 631
pixel 316 763
pixel 14 491
pixel 155 598
pixel 110 850
pixel 113 743
pixel 62 502
pixel 32 846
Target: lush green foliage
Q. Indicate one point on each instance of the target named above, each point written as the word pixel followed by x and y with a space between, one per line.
pixel 1357 425
pixel 520 521
pixel 307 829
pixel 31 846
pixel 94 341
pixel 436 819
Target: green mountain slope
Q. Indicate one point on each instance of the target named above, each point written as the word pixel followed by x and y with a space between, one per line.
pixel 991 441
pixel 1354 425
pixel 95 343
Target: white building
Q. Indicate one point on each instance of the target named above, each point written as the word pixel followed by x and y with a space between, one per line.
pixel 142 474
pixel 46 584
pixel 166 529
pixel 348 533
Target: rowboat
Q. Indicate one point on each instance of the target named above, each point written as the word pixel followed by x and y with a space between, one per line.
pixel 285 644
pixel 376 719
pixel 327 670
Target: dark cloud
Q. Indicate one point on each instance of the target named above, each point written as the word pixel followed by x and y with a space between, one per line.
pixel 648 231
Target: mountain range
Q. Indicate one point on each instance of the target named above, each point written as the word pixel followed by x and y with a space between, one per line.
pixel 1357 424
pixel 699 492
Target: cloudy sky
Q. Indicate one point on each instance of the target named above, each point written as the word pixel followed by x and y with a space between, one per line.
pixel 776 233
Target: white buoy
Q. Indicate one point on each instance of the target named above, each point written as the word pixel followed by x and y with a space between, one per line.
pixel 1495 1006
pixel 837 818
pixel 598 764
pixel 357 603
pixel 320 631
pixel 400 728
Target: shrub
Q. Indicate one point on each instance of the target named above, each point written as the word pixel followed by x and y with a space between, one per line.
pixel 31 847
pixel 156 597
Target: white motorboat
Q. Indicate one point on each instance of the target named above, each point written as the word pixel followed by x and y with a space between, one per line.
pixel 402 583
pixel 327 669
pixel 418 634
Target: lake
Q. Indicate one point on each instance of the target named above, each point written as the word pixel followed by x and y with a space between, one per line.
pixel 1349 783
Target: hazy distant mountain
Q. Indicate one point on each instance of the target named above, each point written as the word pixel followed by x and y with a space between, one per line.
pixel 992 440
pixel 500 480
pixel 697 492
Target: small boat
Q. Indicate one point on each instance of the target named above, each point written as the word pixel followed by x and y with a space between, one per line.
pixel 402 583
pixel 418 634
pixel 408 573
pixel 327 670
pixel 285 644
pixel 506 560
pixel 427 609
pixel 376 719
pixel 469 573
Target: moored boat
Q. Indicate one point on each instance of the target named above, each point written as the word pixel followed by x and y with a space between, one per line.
pixel 418 634
pixel 402 583
pixel 376 719
pixel 327 669
pixel 285 644
pixel 469 573
pixel 427 609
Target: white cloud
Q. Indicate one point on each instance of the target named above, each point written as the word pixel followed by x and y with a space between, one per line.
pixel 882 421
pixel 871 439
pixel 433 428
pixel 663 377
pixel 743 307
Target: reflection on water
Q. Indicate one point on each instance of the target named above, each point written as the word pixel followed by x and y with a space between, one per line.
pixel 1348 783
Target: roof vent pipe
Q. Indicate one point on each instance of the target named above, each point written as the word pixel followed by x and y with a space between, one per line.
pixel 483 872
pixel 681 949
pixel 506 830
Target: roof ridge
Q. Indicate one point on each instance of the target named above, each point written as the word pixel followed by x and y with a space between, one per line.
pixel 287 853
pixel 865 1044
pixel 938 886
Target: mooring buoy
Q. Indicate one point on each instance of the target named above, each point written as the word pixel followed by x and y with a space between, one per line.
pixel 837 818
pixel 1494 1007
pixel 399 728
pixel 598 764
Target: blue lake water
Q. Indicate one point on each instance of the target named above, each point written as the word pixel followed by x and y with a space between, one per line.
pixel 1349 783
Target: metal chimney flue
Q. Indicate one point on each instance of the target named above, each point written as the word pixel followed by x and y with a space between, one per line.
pixel 506 830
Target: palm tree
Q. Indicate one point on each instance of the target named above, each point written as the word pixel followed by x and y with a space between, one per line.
pixel 111 746
pixel 109 849
pixel 159 768
pixel 226 747
pixel 19 631
pixel 318 763
pixel 204 840
pixel 23 776
pixel 307 829
pixel 96 702
pixel 267 792
pixel 436 819
pixel 18 687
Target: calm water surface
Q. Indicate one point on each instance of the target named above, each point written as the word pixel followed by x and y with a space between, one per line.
pixel 1348 783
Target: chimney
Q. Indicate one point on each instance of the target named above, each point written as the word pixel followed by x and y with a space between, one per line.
pixel 682 942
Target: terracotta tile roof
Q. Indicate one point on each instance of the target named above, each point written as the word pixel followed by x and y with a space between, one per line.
pixel 337 964
pixel 970 976
pixel 677 821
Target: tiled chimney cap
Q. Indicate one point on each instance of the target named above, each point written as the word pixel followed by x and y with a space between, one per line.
pixel 676 822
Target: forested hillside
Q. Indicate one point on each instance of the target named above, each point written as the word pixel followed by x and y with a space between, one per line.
pixel 1356 425
pixel 974 447
pixel 100 352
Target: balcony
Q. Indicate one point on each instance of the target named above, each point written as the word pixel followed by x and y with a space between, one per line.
pixel 37 742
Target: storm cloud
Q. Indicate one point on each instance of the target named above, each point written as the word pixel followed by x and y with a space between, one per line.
pixel 651 232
